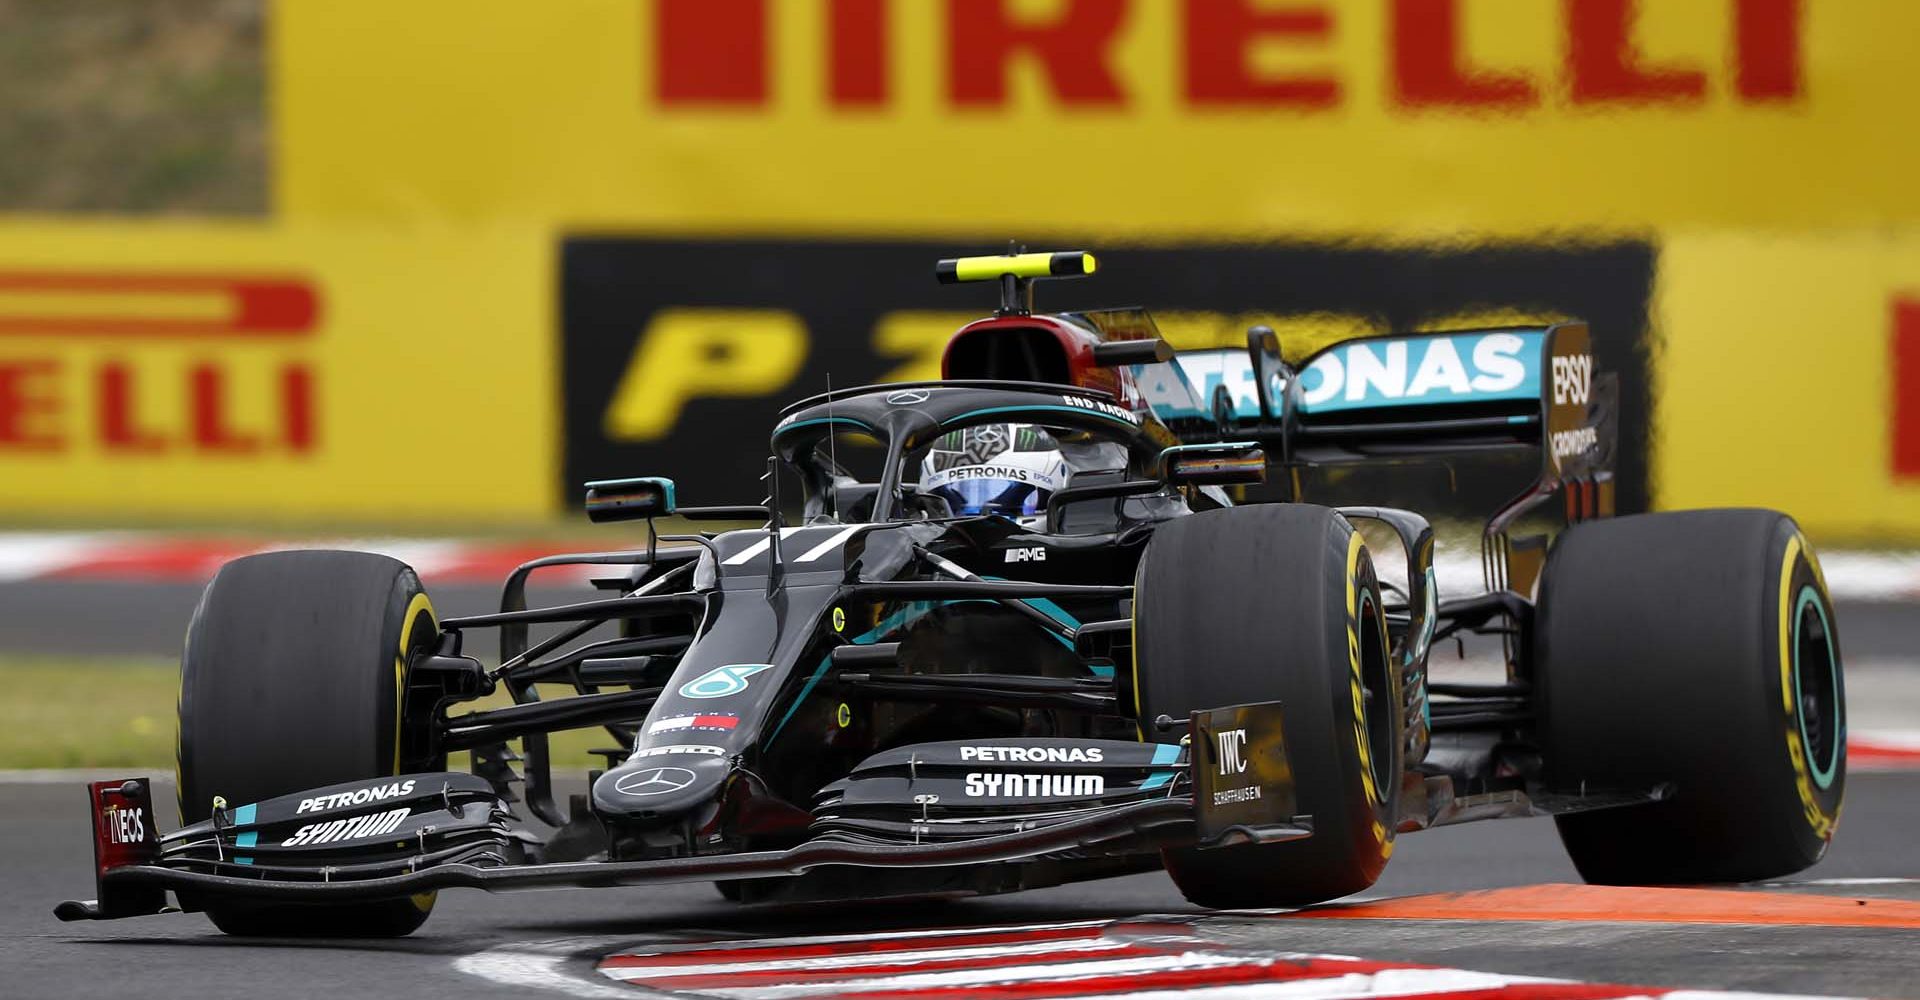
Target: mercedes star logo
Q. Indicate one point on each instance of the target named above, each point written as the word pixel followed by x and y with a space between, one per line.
pixel 654 781
pixel 908 397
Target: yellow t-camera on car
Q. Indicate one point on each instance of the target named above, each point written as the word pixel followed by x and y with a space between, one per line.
pixel 1016 273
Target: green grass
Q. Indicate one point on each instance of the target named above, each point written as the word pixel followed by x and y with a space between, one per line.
pixel 119 713
pixel 87 713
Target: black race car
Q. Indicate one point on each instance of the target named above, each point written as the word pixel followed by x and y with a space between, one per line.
pixel 1014 630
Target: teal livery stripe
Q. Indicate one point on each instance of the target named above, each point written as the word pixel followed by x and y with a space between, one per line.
pixel 915 610
pixel 241 817
pixel 1163 754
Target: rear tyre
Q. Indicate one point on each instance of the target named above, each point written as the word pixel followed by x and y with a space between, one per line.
pixel 1278 602
pixel 294 677
pixel 1697 648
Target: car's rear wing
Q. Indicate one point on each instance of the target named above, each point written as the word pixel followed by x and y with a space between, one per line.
pixel 1399 396
pixel 1412 396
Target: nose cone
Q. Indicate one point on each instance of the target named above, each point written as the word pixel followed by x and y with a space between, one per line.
pixel 654 788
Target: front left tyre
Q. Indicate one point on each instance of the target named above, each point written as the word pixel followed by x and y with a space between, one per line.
pixel 294 676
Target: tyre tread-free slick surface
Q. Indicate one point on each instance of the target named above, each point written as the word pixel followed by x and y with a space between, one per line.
pixel 293 677
pixel 1254 604
pixel 1696 648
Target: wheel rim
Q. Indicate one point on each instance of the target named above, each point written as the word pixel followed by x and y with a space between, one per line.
pixel 1816 686
pixel 1377 715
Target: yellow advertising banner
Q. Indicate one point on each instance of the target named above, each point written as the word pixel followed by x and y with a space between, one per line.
pixel 1789 376
pixel 159 371
pixel 398 321
pixel 1209 119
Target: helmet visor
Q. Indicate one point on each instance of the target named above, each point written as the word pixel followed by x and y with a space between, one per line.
pixel 994 496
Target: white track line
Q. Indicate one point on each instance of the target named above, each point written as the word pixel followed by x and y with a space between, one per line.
pixel 859 958
pixel 1890 739
pixel 817 939
pixel 540 965
pixel 26 556
pixel 80 776
pixel 1060 972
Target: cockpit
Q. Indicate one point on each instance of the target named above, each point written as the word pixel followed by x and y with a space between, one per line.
pixel 1044 455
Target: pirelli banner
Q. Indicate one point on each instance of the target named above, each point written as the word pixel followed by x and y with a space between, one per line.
pixel 679 354
pixel 1154 119
pixel 1788 376
pixel 247 374
pixel 516 246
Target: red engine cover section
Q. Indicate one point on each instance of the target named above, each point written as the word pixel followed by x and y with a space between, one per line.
pixel 124 834
pixel 1036 348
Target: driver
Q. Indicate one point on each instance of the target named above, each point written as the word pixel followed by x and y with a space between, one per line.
pixel 1009 469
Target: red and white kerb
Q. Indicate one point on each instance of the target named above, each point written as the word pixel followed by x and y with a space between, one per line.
pixel 1131 960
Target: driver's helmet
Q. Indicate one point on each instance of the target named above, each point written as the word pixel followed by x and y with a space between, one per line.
pixel 1008 469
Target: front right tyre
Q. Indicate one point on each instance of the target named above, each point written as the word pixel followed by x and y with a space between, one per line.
pixel 294 677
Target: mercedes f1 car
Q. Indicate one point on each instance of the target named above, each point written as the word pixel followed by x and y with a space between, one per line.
pixel 1012 629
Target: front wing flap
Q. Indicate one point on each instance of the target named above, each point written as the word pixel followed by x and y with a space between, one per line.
pixel 453 834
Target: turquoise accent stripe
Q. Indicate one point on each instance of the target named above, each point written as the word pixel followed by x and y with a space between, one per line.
pixel 888 624
pixel 1042 605
pixel 1518 420
pixel 242 861
pixel 1101 669
pixel 1055 612
pixel 241 817
pixel 1034 409
pixel 916 609
pixel 1157 779
pixel 805 689
pixel 1165 753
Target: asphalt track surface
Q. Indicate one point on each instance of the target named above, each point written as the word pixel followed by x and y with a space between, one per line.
pixel 548 943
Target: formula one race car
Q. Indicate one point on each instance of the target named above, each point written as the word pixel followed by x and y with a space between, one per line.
pixel 1015 631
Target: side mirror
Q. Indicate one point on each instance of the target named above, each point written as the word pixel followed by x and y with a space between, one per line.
pixel 629 499
pixel 1224 464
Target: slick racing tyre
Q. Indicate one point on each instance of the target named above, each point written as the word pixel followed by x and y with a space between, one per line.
pixel 294 677
pixel 1278 602
pixel 1695 648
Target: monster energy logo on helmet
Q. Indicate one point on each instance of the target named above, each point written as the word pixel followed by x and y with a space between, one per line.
pixel 979 445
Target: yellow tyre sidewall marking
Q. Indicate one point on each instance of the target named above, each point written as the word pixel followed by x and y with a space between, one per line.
pixel 422 901
pixel 1816 815
pixel 414 608
pixel 1357 690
